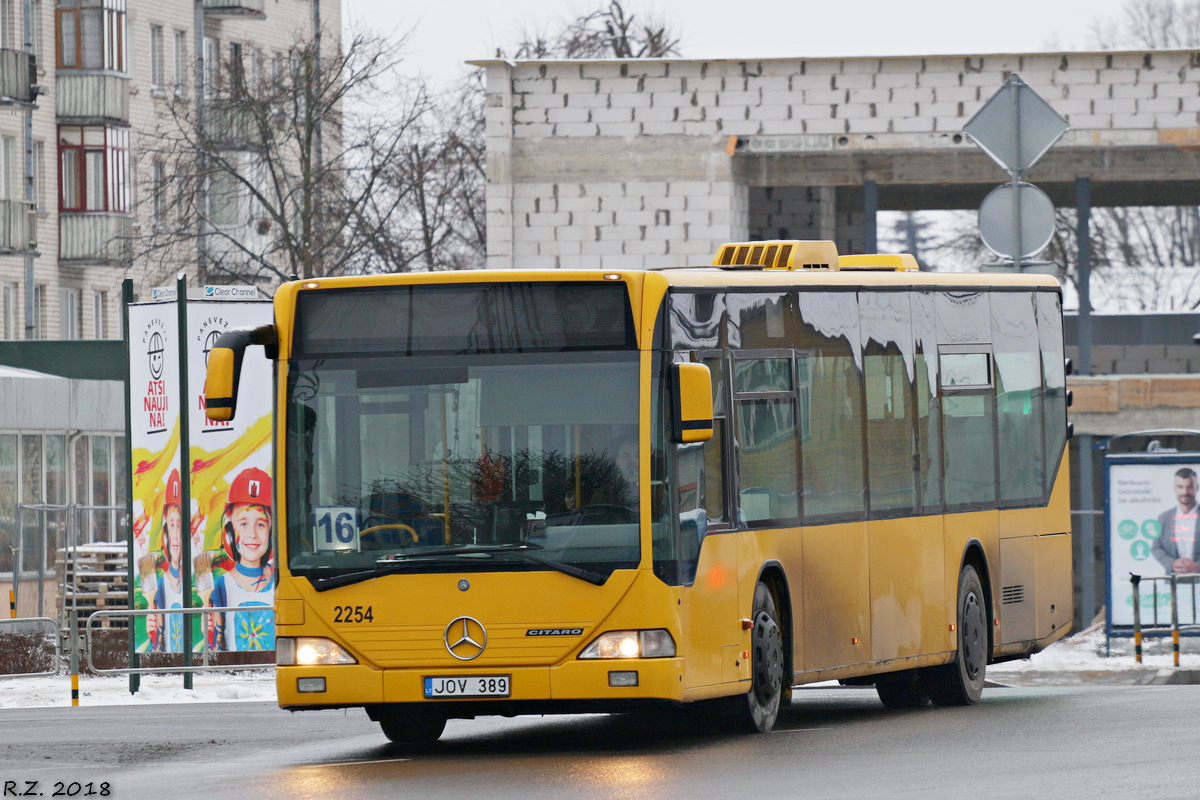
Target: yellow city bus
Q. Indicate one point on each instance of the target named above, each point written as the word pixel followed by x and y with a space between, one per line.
pixel 512 492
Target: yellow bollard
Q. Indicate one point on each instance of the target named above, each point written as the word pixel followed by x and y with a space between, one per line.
pixel 75 689
pixel 12 604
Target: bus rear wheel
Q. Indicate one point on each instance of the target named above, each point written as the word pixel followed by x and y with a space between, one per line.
pixel 961 683
pixel 760 706
pixel 411 727
pixel 903 690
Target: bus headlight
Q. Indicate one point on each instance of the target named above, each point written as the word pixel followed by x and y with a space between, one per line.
pixel 656 643
pixel 308 650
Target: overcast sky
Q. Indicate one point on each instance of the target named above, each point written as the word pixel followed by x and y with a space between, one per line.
pixel 446 33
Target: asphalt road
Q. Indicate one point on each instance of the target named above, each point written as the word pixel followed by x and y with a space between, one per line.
pixel 1079 742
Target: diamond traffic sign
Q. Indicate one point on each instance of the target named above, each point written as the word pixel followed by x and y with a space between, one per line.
pixel 1016 126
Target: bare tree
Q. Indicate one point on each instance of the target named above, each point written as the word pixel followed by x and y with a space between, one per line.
pixel 607 32
pixel 277 171
pixel 432 191
pixel 1153 24
pixel 434 187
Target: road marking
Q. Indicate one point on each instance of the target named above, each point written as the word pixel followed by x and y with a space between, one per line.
pixel 354 763
pixel 797 730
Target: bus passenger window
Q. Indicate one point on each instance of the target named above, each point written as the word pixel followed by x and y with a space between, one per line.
pixel 1019 437
pixel 829 356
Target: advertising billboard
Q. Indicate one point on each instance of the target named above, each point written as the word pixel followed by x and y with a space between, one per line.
pixel 228 544
pixel 1152 532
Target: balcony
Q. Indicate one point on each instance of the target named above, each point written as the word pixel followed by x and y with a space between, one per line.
pixel 235 8
pixel 95 238
pixel 92 97
pixel 18 226
pixel 17 71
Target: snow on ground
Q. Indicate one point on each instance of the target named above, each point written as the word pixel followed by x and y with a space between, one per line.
pixel 213 687
pixel 1084 652
pixel 1070 658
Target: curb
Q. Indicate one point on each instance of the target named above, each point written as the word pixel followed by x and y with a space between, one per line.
pixel 1141 676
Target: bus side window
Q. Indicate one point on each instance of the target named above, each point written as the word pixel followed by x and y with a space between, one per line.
pixel 967 400
pixel 828 356
pixel 1019 437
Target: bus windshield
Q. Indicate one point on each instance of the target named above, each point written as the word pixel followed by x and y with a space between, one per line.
pixel 445 463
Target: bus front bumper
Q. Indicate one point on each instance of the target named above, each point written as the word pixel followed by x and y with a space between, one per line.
pixel 581 680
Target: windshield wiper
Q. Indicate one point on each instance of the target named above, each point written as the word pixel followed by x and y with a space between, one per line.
pixel 398 562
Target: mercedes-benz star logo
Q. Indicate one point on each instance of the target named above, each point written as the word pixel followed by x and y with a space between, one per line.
pixel 465 638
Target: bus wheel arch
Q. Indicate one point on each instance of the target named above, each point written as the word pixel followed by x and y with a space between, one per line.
pixel 771 573
pixel 974 556
pixel 770 658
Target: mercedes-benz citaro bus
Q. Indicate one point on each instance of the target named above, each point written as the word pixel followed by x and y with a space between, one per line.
pixel 528 492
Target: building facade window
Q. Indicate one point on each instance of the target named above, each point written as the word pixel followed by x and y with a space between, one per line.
pixel 158 191
pixel 91 34
pixel 39 191
pixel 99 315
pixel 39 311
pixel 157 64
pixel 212 54
pixel 180 62
pixel 71 312
pixel 93 168
pixel 8 163
pixel 11 313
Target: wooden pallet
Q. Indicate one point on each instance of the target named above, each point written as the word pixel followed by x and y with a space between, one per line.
pixel 97 578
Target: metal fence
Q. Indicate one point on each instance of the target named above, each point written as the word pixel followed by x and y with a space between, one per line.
pixel 206 654
pixel 26 643
pixel 1159 626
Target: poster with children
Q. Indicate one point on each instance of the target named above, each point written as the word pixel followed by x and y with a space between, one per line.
pixel 232 551
pixel 227 545
pixel 154 473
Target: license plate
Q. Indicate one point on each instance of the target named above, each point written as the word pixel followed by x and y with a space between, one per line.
pixel 469 686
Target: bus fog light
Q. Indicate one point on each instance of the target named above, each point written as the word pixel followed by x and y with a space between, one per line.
pixel 623 678
pixel 310 650
pixel 310 684
pixel 655 643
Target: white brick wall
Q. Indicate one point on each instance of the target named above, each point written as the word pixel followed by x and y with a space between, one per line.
pixel 621 220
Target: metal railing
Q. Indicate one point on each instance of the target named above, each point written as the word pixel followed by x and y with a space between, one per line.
pixel 1155 627
pixel 206 652
pixel 33 627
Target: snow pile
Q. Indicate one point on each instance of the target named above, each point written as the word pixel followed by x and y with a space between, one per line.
pixel 256 685
pixel 1085 653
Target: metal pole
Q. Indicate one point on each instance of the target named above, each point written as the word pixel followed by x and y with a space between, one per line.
pixel 1083 276
pixel 126 300
pixel 30 188
pixel 1016 180
pixel 202 151
pixel 41 564
pixel 1087 532
pixel 185 464
pixel 74 659
pixel 1175 617
pixel 1137 617
pixel 871 217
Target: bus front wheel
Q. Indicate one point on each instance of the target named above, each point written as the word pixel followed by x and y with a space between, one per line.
pixel 411 727
pixel 761 703
pixel 960 683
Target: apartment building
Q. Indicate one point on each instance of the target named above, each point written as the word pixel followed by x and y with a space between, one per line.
pixel 89 92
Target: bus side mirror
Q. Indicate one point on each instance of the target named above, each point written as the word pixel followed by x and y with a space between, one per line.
pixel 225 368
pixel 692 409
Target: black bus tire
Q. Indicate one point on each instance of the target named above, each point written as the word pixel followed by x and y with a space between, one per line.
pixel 760 706
pixel 412 728
pixel 960 683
